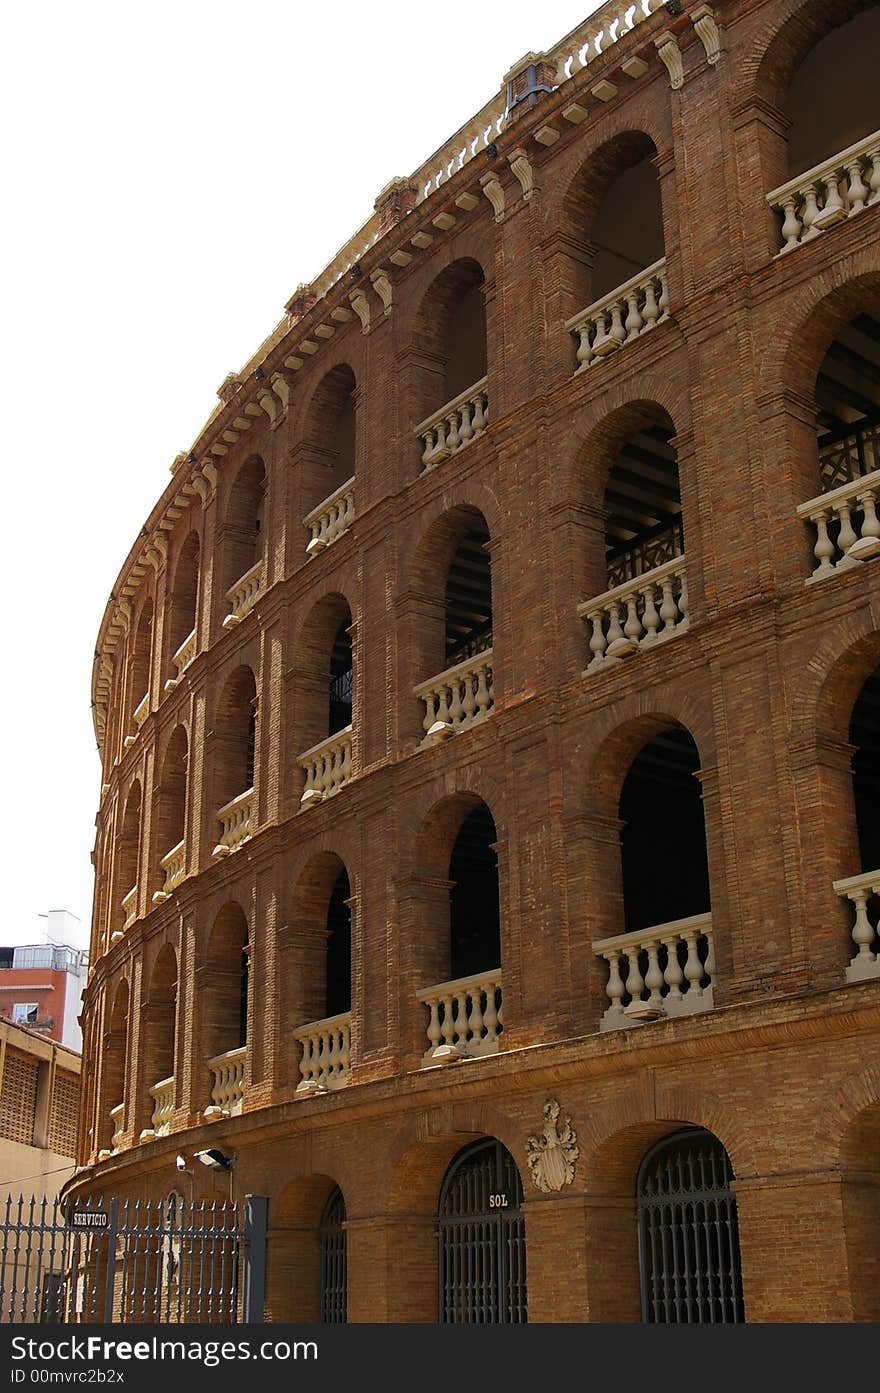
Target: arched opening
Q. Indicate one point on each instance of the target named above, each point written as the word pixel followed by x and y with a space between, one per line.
pixel 689 1257
pixel 481 1236
pixel 626 230
pixel 129 857
pixel 611 258
pixel 860 1177
pixel 459 934
pixel 324 699
pixel 160 1027
pixel 316 974
pixel 224 1004
pixel 338 961
pixel 847 397
pixel 328 453
pixel 235 737
pixel 665 964
pixel 831 101
pixel 640 582
pixel 454 644
pixel 111 1123
pixel 474 914
pixel 306 1259
pixel 140 665
pixel 450 338
pixel 341 678
pixel 864 734
pixel 242 540
pixel 182 611
pixel 663 840
pixel 171 815
pixel 643 526
pixel 334 1269
pixel 469 595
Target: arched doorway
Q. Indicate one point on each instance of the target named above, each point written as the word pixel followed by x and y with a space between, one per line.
pixel 689 1258
pixel 334 1273
pixel 482 1239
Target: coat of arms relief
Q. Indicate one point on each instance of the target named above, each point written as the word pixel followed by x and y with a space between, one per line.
pixel 553 1152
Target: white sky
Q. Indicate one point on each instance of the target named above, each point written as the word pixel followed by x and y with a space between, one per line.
pixel 171 172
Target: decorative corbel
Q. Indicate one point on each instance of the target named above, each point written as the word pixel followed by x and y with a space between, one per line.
pixel 519 163
pixel 281 388
pixel 707 30
pixel 209 471
pixel 491 186
pixel 269 405
pixel 202 488
pixel 669 54
pixel 361 306
pixel 382 286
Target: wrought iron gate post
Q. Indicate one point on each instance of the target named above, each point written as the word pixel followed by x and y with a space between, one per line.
pixel 110 1273
pixel 255 1217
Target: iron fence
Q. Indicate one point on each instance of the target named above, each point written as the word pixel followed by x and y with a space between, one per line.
pixel 132 1261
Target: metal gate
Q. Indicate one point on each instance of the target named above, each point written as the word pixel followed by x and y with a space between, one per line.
pixel 132 1261
pixel 482 1239
pixel 334 1277
pixel 688 1233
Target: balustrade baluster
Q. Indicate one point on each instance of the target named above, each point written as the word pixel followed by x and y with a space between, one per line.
pixel 614 989
pixel 857 192
pixel 452 439
pixel 633 324
pixel 654 975
pixel 668 608
pixel 650 617
pixel 598 641
pixel 491 1016
pixel 635 983
pixel 673 975
pixel 810 214
pixel 475 1019
pixel 791 225
pixel 693 968
pixel 824 548
pixel 651 309
pixel 633 626
pixel 455 708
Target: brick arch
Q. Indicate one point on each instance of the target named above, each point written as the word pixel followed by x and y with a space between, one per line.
pixel 448 335
pixel 817 313
pixel 425 556
pixel 325 392
pixel 782 42
pixel 850 1128
pixel 184 577
pixel 623 729
pixel 293 1255
pixel 603 424
pixel 832 677
pixel 422 1149
pixel 313 648
pixel 438 828
pixel 236 699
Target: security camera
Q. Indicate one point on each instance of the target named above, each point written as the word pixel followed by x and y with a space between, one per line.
pixel 180 1163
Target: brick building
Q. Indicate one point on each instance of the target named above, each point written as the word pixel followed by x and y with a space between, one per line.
pixel 487 856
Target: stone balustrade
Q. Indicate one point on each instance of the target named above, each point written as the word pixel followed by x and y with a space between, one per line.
pixel 846 524
pixel 327 767
pixel 243 595
pixel 173 863
pixel 455 424
pixel 331 518
pixel 859 890
pixel 637 615
pixel 661 971
pixel 129 908
pixel 182 659
pixel 162 1094
pixel 465 1017
pixel 629 310
pixel 326 1052
pixel 235 823
pixel 117 1117
pixel 828 193
pixel 227 1092
pixel 459 697
pixel 603 28
pixel 142 710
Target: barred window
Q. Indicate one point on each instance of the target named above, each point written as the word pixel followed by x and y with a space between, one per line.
pixel 18 1097
pixel 62 1118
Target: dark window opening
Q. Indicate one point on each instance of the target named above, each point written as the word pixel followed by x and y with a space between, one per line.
pixel 250 751
pixel 243 995
pixel 864 733
pixel 643 526
pixel 663 842
pixel 341 679
pixel 474 912
pixel 848 405
pixel 469 599
pixel 339 948
pixel 334 1264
